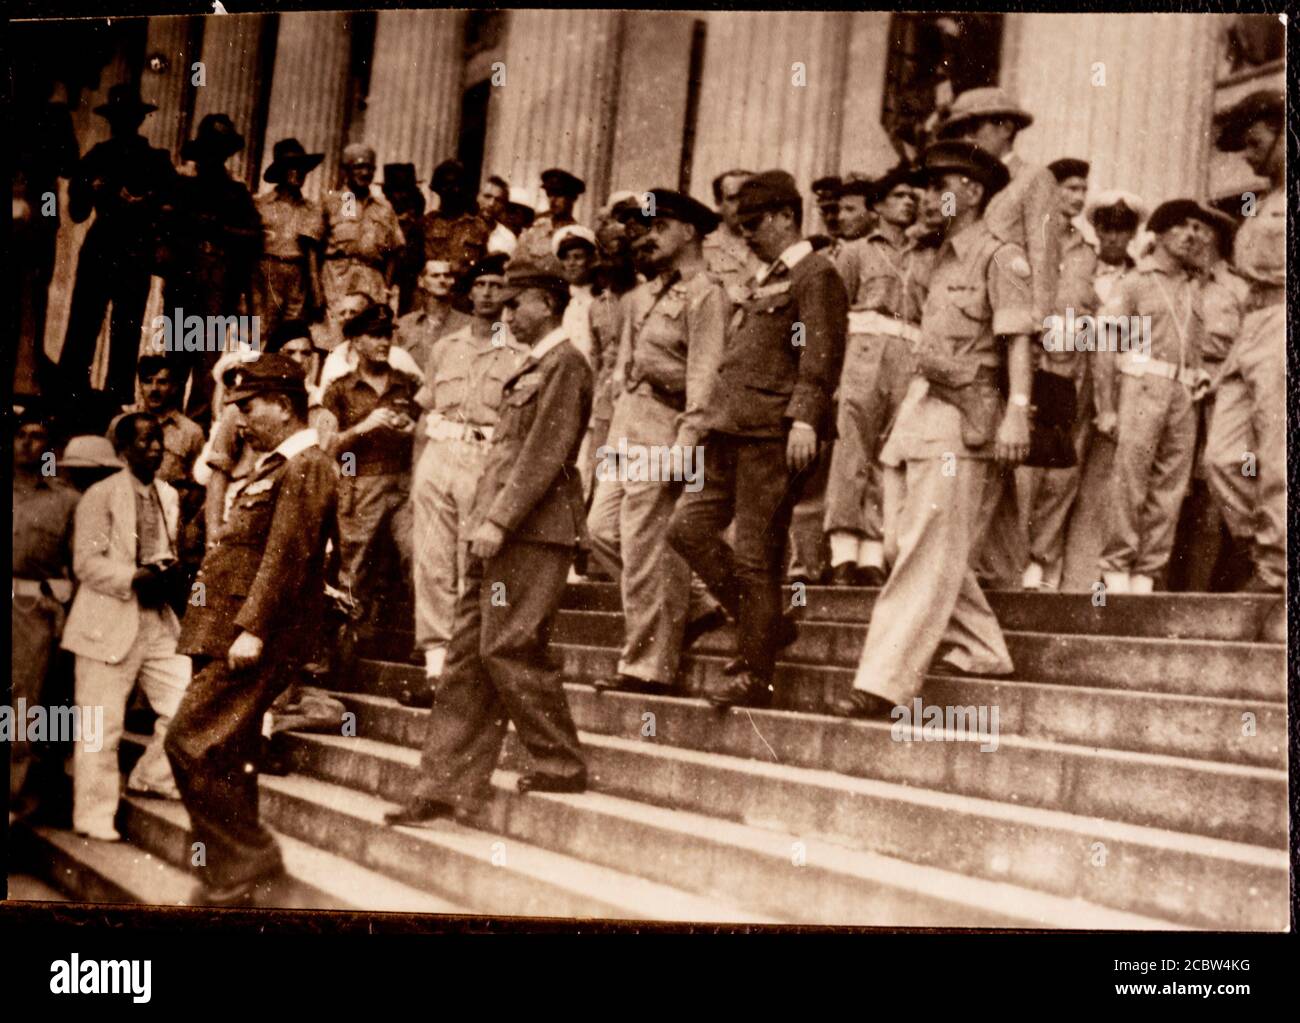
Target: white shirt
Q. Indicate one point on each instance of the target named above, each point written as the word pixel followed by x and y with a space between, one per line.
pixel 577 318
pixel 294 444
pixel 343 360
pixel 502 239
pixel 790 258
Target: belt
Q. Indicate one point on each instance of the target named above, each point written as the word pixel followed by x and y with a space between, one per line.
pixel 1195 380
pixel 439 427
pixel 675 400
pixel 868 321
pixel 56 589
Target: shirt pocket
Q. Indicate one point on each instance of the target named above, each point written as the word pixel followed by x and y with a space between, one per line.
pixel 449 390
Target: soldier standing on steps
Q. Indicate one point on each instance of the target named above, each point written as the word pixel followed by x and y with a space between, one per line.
pixel 259 618
pixel 526 525
pixel 940 456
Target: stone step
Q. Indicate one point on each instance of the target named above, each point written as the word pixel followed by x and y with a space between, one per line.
pixel 29 888
pixel 317 879
pixel 493 875
pixel 86 870
pixel 1192 667
pixel 1191 880
pixel 1208 728
pixel 1232 617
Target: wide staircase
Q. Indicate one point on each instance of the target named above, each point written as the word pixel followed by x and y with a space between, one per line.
pixel 1135 778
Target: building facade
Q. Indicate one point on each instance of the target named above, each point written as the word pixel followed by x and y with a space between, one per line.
pixel 629 99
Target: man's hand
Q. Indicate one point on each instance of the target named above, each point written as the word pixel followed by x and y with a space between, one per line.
pixel 378 417
pixel 486 541
pixel 1011 446
pixel 244 652
pixel 801 446
pixel 1106 423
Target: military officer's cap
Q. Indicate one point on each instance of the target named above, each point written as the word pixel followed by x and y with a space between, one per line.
pixel 357 153
pixel 523 273
pixel 1174 212
pixel 827 188
pixel 678 206
pixel 572 234
pixel 267 374
pixel 770 190
pixel 1068 167
pixel 877 189
pixel 217 136
pixel 1115 210
pixel 1262 105
pixel 556 181
pixel 376 320
pixel 955 156
pixel 290 153
pixel 489 266
pixel 976 104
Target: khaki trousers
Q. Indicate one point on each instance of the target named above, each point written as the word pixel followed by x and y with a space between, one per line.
pixel 36 624
pixel 1154 448
pixel 442 495
pixel 1250 419
pixel 931 596
pixel 163 675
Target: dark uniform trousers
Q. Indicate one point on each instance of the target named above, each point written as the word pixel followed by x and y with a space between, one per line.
pixel 496 671
pixel 745 479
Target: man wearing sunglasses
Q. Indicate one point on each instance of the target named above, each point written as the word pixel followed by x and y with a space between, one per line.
pixel 770 412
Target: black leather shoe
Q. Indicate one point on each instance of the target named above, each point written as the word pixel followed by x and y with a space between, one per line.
pixel 418 812
pixel 742 690
pixel 701 626
pixel 628 684
pixel 243 894
pixel 787 633
pixel 867 706
pixel 871 575
pixel 845 575
pixel 418 698
pixel 274 759
pixel 539 782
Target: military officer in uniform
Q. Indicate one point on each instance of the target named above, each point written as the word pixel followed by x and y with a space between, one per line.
pixel 455 232
pixel 952 426
pixel 562 191
pixel 287 285
pixel 465 374
pixel 263 605
pixel 676 327
pixel 1147 398
pixel 885 276
pixel 433 316
pixel 726 254
pixel 771 411
pixel 1250 406
pixel 527 524
pixel 826 193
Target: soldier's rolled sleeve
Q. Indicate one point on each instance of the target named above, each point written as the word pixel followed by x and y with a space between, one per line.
pixel 706 324
pixel 824 312
pixel 1043 239
pixel 545 451
pixel 302 508
pixel 1010 293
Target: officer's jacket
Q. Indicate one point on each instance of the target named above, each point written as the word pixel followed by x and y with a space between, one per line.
pixel 979 292
pixel 1026 213
pixel 371 235
pixel 530 486
pixel 676 336
pixel 771 373
pixel 883 277
pixel 419 330
pixel 265 572
pixel 1170 298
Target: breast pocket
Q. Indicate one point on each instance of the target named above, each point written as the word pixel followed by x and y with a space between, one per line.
pixel 449 390
pixel 968 311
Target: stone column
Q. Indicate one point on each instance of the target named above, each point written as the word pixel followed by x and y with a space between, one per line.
pixel 232 71
pixel 1131 94
pixel 166 88
pixel 753 113
pixel 413 110
pixel 309 90
pixel 557 105
pixel 864 143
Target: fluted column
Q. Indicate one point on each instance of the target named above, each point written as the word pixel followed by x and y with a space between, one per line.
pixel 169 39
pixel 232 65
pixel 413 110
pixel 752 113
pixel 556 107
pixel 1147 128
pixel 864 143
pixel 309 90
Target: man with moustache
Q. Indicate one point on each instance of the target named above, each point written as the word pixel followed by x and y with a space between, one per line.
pixel 264 599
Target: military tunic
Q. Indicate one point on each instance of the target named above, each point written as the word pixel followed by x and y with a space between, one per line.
pixel 282 284
pixel 731 260
pixel 361 236
pixel 939 458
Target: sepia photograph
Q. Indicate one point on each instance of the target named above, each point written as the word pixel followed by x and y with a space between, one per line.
pixel 680 467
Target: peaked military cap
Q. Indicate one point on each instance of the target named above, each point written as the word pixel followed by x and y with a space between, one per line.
pixel 524 273
pixel 678 206
pixel 493 265
pixel 267 374
pixel 955 156
pixel 770 190
pixel 1069 167
pixel 1262 105
pixel 556 181
pixel 827 187
pixel 376 319
pixel 571 234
